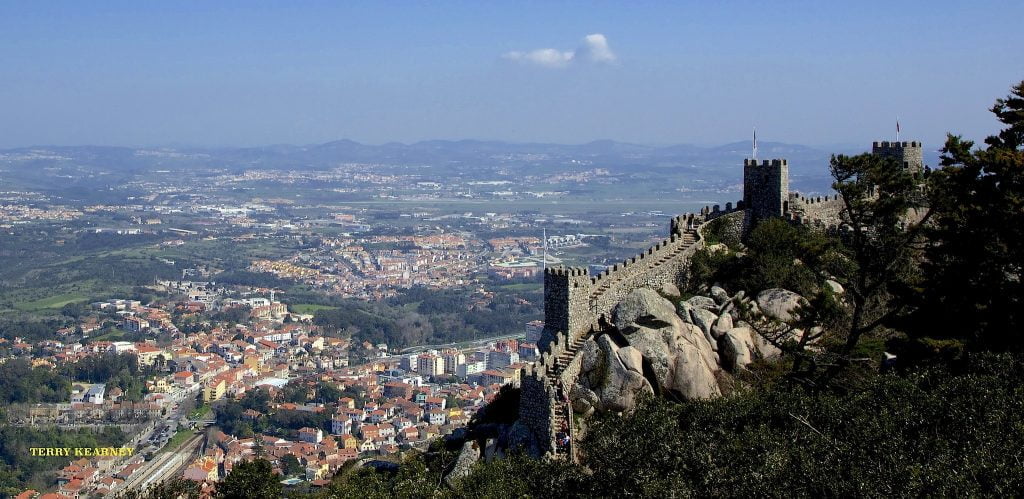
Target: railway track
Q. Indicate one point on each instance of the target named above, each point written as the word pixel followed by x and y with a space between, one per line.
pixel 166 464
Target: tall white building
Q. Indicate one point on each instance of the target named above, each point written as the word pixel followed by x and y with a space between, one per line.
pixel 452 360
pixel 500 360
pixel 430 365
pixel 409 362
pixel 470 368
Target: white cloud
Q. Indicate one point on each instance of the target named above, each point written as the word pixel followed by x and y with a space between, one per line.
pixel 550 58
pixel 594 49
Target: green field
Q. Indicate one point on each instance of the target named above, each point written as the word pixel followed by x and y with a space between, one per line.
pixel 114 335
pixel 200 412
pixel 521 286
pixel 308 308
pixel 180 437
pixel 55 301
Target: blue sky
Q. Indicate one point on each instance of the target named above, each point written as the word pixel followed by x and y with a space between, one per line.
pixel 253 73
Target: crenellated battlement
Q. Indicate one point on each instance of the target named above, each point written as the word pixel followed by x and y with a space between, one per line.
pixel 887 145
pixel 765 162
pixel 561 271
pixel 909 154
pixel 575 300
pixel 814 200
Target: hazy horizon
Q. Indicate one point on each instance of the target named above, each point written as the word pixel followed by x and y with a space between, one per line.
pixel 235 74
pixel 180 145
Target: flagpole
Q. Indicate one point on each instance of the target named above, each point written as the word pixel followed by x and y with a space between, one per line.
pixel 897 129
pixel 754 148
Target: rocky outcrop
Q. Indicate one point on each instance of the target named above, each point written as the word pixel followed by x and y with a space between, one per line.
pixel 643 308
pixel 722 325
pixel 835 287
pixel 660 352
pixel 779 303
pixel 469 455
pixel 741 345
pixel 719 295
pixel 670 289
pixel 659 348
pixel 608 383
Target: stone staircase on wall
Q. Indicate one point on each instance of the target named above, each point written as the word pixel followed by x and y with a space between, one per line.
pixel 561 408
pixel 561 420
pixel 565 347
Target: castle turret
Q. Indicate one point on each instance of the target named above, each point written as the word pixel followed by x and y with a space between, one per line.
pixel 566 295
pixel 909 154
pixel 765 187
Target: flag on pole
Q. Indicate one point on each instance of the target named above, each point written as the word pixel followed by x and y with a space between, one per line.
pixel 755 143
pixel 897 129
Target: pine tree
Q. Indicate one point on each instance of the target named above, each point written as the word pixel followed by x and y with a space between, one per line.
pixel 973 270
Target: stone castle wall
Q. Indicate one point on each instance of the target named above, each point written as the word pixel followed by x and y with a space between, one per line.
pixel 909 154
pixel 824 211
pixel 575 302
pixel 535 408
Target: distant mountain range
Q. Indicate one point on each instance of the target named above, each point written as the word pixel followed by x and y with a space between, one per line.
pixel 87 169
pixel 602 153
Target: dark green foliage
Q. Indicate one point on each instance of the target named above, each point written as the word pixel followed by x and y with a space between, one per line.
pixel 415 477
pixel 884 214
pixel 973 286
pixel 249 278
pixel 21 383
pixel 503 409
pixel 291 466
pixel 250 480
pixel 30 330
pixel 174 488
pixel 285 423
pixel 777 255
pixel 237 314
pixel 519 476
pixel 722 230
pixel 293 420
pixel 930 431
pixel 116 370
pixel 74 310
pixel 19 469
pixel 945 430
pixel 710 267
pixel 229 415
pixel 328 393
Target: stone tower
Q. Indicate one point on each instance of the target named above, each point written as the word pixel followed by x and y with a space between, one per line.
pixel 765 187
pixel 909 154
pixel 566 305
